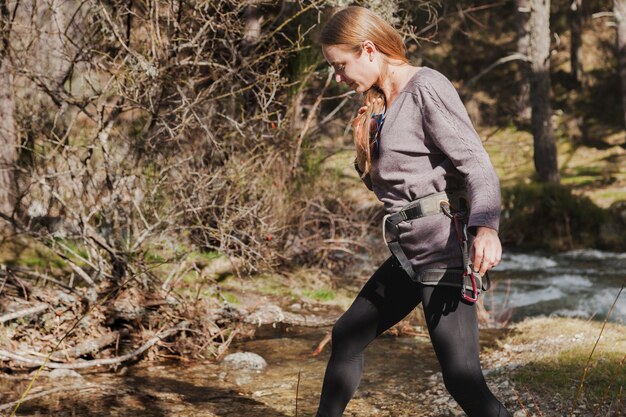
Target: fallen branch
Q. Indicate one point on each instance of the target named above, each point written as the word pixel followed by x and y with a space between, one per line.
pixel 320 346
pixel 38 275
pixel 513 57
pixel 85 348
pixel 23 313
pixel 35 362
pixel 81 273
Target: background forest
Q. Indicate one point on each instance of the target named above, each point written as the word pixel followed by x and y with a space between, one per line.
pixel 152 149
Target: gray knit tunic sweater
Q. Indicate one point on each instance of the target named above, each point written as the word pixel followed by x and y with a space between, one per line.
pixel 428 144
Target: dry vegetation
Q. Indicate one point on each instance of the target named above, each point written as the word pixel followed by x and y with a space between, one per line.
pixel 154 138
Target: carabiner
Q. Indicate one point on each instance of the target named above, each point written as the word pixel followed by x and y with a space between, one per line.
pixel 470 273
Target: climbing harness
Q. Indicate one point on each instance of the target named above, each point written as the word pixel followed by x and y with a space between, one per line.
pixel 452 204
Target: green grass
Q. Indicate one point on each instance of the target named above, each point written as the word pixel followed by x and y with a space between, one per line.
pixel 230 297
pixel 270 284
pixel 321 294
pixel 561 374
pixel 204 256
pixel 579 180
pixel 558 362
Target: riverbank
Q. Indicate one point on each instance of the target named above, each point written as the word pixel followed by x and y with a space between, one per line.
pixel 534 367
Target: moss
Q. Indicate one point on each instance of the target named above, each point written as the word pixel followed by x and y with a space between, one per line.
pixel 206 256
pixel 29 253
pixel 273 285
pixel 321 294
pixel 230 297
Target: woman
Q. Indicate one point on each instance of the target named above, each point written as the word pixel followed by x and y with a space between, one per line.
pixel 415 143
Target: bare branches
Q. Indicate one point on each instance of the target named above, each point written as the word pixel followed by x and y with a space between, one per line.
pixel 36 362
pixel 24 312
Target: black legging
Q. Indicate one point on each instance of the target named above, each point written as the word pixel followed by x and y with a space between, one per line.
pixel 387 298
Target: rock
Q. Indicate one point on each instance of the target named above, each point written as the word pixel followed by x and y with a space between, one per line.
pixel 295 307
pixel 244 360
pixel 64 373
pixel 64 298
pixel 221 267
pixel 440 401
pixel 519 413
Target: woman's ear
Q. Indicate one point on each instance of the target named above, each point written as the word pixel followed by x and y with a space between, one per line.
pixel 369 48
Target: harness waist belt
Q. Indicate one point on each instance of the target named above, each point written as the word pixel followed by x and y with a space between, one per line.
pixel 444 202
pixel 429 205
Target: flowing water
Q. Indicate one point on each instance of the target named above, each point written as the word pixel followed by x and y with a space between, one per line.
pixel 398 370
pixel 582 283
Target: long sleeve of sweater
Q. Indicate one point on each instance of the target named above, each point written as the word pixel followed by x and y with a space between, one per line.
pixel 447 123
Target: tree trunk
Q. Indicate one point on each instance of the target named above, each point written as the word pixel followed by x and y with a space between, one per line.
pixel 8 134
pixel 522 23
pixel 544 146
pixel 575 24
pixel 619 9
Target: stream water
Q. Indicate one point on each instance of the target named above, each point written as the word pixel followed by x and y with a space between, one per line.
pixel 210 390
pixel 581 283
pixel 399 370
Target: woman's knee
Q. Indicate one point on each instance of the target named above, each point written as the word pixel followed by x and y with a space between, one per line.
pixel 462 382
pixel 354 330
pixel 344 331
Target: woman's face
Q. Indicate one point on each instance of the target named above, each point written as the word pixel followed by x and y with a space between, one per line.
pixel 358 72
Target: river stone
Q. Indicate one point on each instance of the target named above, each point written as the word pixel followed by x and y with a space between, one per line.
pixel 244 360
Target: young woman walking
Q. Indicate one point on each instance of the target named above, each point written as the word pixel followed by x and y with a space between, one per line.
pixel 419 153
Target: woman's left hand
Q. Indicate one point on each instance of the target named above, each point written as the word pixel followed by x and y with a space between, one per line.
pixel 486 250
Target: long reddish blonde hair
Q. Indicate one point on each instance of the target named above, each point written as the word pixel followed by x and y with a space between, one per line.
pixel 348 28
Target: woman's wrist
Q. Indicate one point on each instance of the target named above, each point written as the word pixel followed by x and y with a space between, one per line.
pixel 485 230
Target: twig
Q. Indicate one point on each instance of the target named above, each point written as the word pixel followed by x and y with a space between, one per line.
pixel 225 343
pixel 74 389
pixel 322 344
pixel 309 120
pixel 90 346
pixel 80 272
pixel 503 60
pixel 37 275
pixel 23 313
pixel 616 373
pixel 96 362
pixel 297 391
pixel 519 400
pixel 582 379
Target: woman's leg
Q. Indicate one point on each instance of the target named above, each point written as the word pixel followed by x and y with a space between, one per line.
pixel 387 297
pixel 453 327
